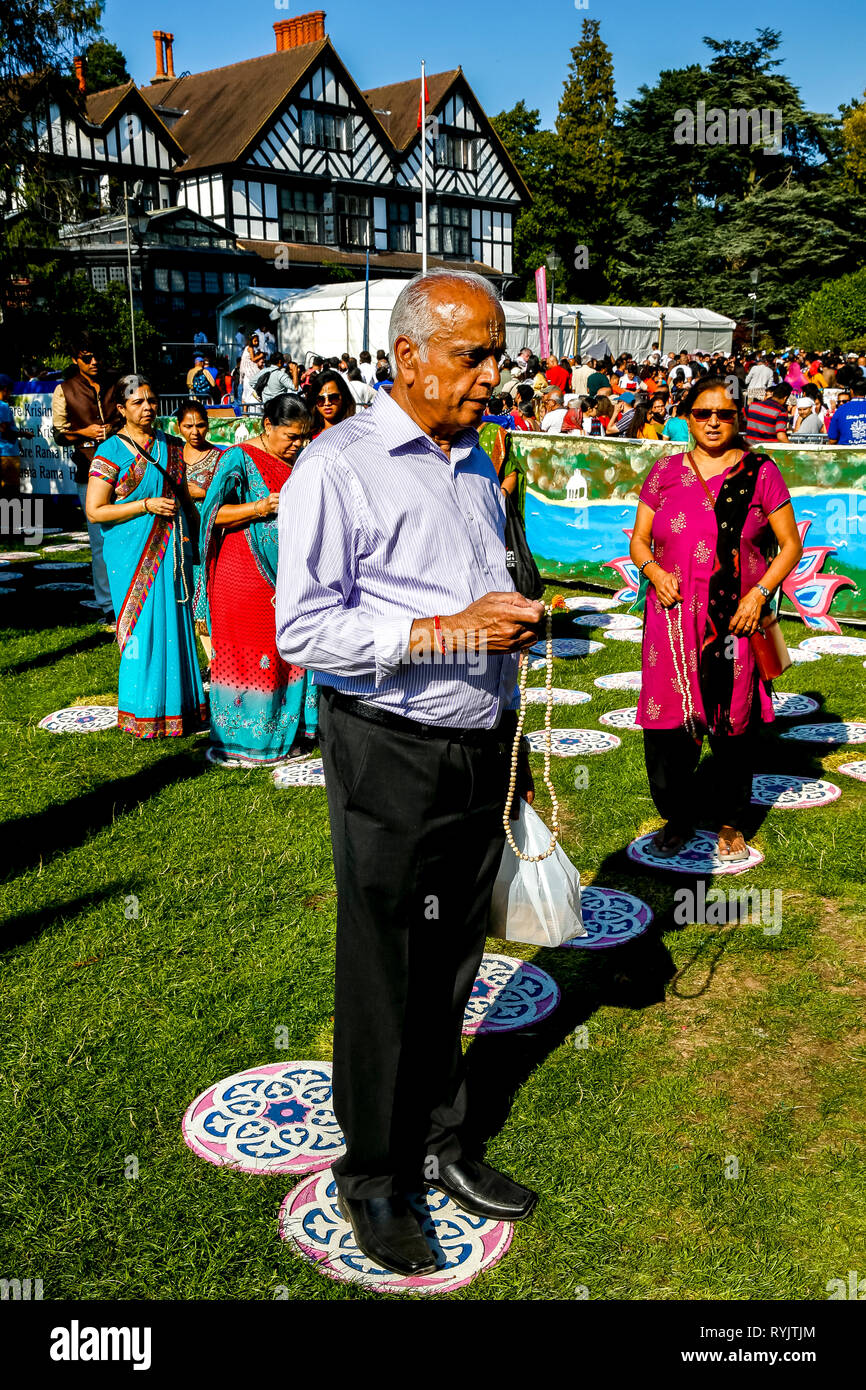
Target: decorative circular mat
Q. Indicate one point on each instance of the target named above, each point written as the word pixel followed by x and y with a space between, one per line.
pixel 92 603
pixel 610 917
pixel 219 760
pixel 839 732
pixel 52 531
pixel 80 719
pixel 567 646
pixel 611 622
pixel 789 793
pixel 64 588
pixel 625 635
pixel 698 857
pixel 830 645
pixel 537 695
pixel 61 549
pixel 588 603
pixel 7 557
pixel 620 718
pixel 570 743
pixel 620 680
pixel 306 774
pixel 508 994
pixel 63 565
pixel 278 1118
pixel 463 1245
pixel 799 657
pixel 77 536
pixel 6 576
pixel 857 769
pixel 8 592
pixel 787 705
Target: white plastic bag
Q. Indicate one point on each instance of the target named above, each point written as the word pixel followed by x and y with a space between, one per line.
pixel 537 903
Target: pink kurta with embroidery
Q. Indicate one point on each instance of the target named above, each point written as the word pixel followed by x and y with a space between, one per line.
pixel 684 536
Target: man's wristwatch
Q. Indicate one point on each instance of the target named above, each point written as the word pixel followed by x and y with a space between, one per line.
pixel 761 590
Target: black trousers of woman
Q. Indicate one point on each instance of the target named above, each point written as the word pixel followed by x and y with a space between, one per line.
pixel 672 757
pixel 417 836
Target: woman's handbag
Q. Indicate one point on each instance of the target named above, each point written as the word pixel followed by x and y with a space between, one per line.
pixel 518 557
pixel 770 649
pixel 536 896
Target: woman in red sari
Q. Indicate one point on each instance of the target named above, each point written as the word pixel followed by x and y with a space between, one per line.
pixel 259 705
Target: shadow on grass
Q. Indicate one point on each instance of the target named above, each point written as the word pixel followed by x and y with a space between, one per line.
pixel 30 840
pixel 27 926
pixel 34 663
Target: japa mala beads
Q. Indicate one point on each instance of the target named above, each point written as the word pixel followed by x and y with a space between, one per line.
pixel 515 753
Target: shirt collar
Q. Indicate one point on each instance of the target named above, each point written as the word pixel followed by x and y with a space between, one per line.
pixel 398 429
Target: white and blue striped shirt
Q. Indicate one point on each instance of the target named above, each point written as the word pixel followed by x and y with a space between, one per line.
pixel 377 527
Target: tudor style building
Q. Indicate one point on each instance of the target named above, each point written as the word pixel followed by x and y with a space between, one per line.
pixel 299 165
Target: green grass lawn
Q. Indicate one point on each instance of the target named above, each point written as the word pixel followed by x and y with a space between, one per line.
pixel 163 918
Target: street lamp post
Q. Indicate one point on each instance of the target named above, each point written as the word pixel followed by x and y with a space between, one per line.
pixel 753 276
pixel 554 261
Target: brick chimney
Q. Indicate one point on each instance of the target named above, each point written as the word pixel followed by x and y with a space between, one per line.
pixel 304 28
pixel 79 74
pixel 164 56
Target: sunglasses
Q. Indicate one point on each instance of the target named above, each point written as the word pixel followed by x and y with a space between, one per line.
pixel 726 415
pixel 323 400
pixel 87 356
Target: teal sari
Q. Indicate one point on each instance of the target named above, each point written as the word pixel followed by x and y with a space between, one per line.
pixel 259 704
pixel 149 563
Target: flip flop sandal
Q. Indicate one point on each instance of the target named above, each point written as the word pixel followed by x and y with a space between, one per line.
pixel 669 846
pixel 733 856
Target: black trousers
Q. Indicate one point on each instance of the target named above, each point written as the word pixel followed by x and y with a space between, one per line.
pixel 672 757
pixel 417 834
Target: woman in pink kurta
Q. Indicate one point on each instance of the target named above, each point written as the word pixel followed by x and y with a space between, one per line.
pixel 705 525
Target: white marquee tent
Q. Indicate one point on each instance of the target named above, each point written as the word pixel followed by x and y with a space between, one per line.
pixel 329 319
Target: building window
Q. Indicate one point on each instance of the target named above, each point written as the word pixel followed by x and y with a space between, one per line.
pixel 243 282
pixel 449 230
pixel 211 282
pixel 117 272
pixel 160 279
pixel 99 276
pixel 178 304
pixel 323 130
pixel 254 210
pixel 178 284
pixel 455 151
pixel 401 226
pixel 354 220
pixel 300 213
pixel 230 283
pixel 194 280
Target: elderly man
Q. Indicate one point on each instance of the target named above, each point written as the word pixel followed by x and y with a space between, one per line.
pixel 554 412
pixel 393 588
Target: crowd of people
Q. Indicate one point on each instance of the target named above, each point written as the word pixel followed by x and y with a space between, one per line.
pixel 338 568
pixel 784 398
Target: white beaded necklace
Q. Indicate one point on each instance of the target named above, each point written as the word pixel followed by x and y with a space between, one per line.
pixel 515 752
pixel 682 678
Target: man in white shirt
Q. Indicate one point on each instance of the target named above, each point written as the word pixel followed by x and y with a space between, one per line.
pixel 554 412
pixel 366 368
pixel 364 394
pixel 579 377
pixel 759 380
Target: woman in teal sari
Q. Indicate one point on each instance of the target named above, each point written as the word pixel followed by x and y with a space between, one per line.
pixel 263 711
pixel 138 494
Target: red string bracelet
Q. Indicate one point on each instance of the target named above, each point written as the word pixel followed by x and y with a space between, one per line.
pixel 440 640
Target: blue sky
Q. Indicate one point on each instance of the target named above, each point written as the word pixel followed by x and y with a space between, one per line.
pixel 512 50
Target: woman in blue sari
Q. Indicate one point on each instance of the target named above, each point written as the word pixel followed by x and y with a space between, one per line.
pixel 263 711
pixel 138 495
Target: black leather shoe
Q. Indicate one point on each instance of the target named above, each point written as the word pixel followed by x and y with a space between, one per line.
pixel 389 1233
pixel 483 1192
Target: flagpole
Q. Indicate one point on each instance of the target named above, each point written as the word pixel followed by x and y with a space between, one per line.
pixel 423 173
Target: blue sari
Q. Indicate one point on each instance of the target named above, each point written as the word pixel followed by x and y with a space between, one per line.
pixel 149 563
pixel 259 704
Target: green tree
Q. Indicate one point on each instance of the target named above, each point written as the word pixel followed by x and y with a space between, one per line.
pixel 586 124
pixel 106 66
pixel 835 316
pixel 699 217
pixel 552 174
